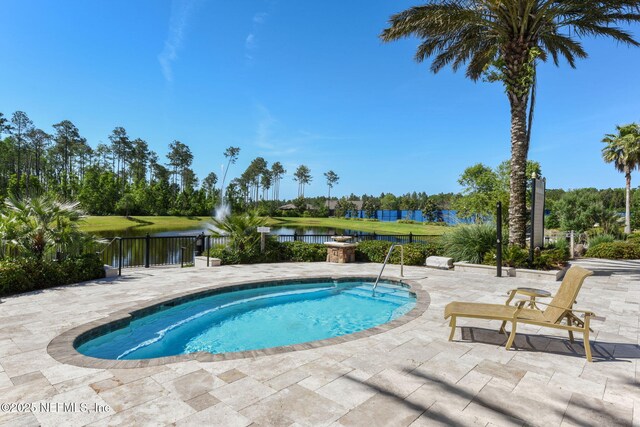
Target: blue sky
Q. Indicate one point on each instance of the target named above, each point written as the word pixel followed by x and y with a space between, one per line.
pixel 300 83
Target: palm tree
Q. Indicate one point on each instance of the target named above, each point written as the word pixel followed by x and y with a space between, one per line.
pixel 503 40
pixel 241 229
pixel 37 224
pixel 623 150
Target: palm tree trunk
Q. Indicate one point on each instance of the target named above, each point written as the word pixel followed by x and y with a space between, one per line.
pixel 627 210
pixel 518 178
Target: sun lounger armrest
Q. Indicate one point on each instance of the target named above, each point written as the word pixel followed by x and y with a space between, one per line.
pixel 586 312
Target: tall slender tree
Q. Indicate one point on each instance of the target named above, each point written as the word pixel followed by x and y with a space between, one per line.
pixel 503 40
pixel 21 125
pixel 231 154
pixel 332 179
pixel 121 148
pixel 277 172
pixel 623 150
pixel 303 177
pixel 4 125
pixel 39 140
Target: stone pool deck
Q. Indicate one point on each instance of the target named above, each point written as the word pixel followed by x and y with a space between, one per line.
pixel 410 375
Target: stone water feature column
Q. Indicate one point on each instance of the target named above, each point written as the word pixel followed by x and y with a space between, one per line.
pixel 340 250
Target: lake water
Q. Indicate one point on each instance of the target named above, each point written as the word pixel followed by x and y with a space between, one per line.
pixel 134 232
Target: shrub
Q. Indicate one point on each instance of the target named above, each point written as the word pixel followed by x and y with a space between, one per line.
pixel 551 259
pixel 512 256
pixel 274 252
pixel 414 253
pixel 515 256
pixel 305 252
pixel 28 274
pixel 634 237
pixel 469 242
pixel 615 250
pixel 562 244
pixel 601 238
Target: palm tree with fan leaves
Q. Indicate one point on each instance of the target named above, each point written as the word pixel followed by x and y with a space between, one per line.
pixel 623 150
pixel 503 40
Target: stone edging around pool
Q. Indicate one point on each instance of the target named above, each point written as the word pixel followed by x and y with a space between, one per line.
pixel 62 348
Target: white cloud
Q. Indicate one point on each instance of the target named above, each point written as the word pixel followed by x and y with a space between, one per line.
pixel 250 41
pixel 260 18
pixel 180 11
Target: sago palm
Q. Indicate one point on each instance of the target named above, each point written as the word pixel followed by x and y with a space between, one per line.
pixel 41 223
pixel 623 150
pixel 241 229
pixel 502 40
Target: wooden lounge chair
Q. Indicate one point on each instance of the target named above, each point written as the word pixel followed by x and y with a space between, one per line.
pixel 560 308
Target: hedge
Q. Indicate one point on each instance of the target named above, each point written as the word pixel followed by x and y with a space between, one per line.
pixel 367 251
pixel 615 250
pixel 414 253
pixel 29 274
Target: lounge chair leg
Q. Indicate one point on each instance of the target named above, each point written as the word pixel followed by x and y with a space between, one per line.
pixel 453 327
pixel 512 336
pixel 585 337
pixel 570 332
pixel 502 331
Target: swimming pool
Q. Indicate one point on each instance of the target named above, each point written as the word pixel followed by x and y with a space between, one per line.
pixel 257 317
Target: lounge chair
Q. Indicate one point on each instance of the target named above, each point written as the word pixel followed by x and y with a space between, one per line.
pixel 560 308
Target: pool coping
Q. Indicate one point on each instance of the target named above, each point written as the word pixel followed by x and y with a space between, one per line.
pixel 62 347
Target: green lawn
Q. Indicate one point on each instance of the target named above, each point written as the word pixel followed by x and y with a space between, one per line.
pixel 367 226
pixel 149 224
pixel 153 224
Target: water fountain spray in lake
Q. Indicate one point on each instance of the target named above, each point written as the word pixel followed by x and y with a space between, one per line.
pixel 222 211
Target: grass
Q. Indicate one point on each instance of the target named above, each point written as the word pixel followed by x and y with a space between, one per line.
pixel 148 224
pixel 379 227
pixel 152 224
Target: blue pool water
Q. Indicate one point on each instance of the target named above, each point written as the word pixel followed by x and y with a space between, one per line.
pixel 253 319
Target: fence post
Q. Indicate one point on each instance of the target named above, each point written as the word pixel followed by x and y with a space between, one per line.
pixel 374 236
pixel 295 235
pixel 410 237
pixel 571 245
pixel 120 257
pixel 207 248
pixel 147 244
pixel 182 256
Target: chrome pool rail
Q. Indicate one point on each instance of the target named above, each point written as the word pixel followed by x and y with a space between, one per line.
pixel 386 259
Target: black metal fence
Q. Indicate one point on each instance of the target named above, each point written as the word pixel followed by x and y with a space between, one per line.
pixel 147 251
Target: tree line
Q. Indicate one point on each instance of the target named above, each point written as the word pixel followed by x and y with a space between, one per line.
pixel 125 176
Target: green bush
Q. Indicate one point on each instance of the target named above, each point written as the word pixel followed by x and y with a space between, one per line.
pixel 515 256
pixel 512 256
pixel 414 253
pixel 633 237
pixel 28 274
pixel 551 259
pixel 601 238
pixel 615 250
pixel 274 252
pixel 469 242
pixel 305 252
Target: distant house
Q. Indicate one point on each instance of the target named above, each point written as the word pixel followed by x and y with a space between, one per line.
pixel 288 207
pixel 333 203
pixel 292 207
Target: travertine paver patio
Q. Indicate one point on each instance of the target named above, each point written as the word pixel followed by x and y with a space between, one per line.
pixel 410 375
